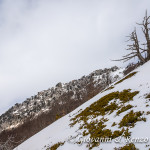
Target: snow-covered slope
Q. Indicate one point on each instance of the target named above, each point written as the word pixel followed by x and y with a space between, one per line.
pixel 117 113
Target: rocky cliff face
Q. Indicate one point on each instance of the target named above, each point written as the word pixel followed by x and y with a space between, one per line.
pixel 56 101
pixel 42 102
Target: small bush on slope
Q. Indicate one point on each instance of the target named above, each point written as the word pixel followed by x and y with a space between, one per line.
pixel 114 123
pixel 130 146
pixel 126 95
pixel 131 118
pixel 124 108
pixel 127 77
pixel 55 146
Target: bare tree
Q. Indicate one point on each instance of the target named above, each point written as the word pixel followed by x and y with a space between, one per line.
pixel 145 28
pixel 135 47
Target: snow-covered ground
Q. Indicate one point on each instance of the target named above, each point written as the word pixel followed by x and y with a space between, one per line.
pixel 60 130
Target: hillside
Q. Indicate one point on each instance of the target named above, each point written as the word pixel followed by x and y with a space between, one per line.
pixel 37 112
pixel 118 112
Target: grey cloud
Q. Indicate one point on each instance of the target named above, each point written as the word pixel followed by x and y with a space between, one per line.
pixel 45 42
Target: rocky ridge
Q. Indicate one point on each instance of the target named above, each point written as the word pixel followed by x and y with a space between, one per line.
pixel 42 102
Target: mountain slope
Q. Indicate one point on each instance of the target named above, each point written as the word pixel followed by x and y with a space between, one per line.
pixel 35 113
pixel 119 112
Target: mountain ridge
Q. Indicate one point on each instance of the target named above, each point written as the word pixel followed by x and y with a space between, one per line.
pixel 25 119
pixel 130 118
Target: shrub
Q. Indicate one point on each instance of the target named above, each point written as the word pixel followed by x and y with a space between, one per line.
pixel 55 146
pixel 123 109
pixel 58 116
pixel 127 77
pixel 114 123
pixel 130 146
pixel 131 118
pixel 126 95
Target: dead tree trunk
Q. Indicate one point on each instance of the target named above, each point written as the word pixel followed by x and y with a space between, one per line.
pixel 134 48
pixel 145 29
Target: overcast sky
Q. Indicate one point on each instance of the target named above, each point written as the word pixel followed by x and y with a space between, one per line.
pixel 43 42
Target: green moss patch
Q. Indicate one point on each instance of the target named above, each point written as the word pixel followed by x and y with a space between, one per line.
pixel 131 118
pixel 106 104
pixel 55 146
pixel 124 108
pixel 98 108
pixel 103 105
pixel 127 77
pixel 96 130
pixel 58 116
pixel 114 123
pixel 126 95
pixel 130 146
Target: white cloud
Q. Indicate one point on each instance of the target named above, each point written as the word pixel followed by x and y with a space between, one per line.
pixel 44 42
